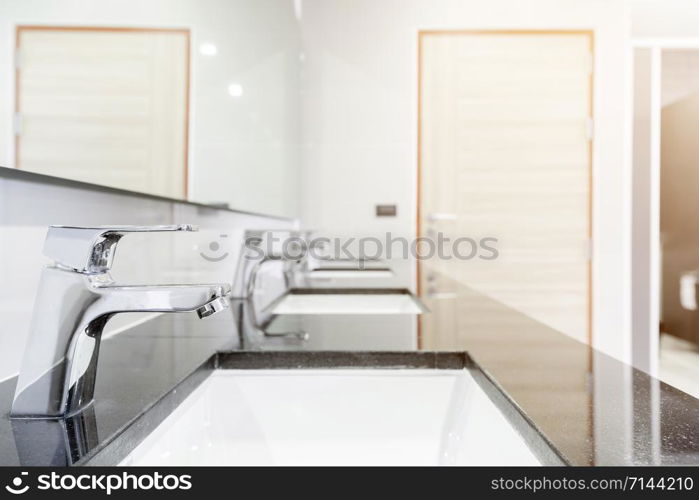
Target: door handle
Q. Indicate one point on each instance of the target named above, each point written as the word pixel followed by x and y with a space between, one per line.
pixel 441 295
pixel 432 293
pixel 437 216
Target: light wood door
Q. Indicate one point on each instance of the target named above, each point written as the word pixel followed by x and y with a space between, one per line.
pixel 505 152
pixel 107 106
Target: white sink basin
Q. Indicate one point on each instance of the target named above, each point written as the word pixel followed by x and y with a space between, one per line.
pixel 350 303
pixel 335 417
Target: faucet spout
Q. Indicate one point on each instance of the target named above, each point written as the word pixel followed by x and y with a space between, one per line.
pixel 59 368
pixel 212 307
pixel 114 298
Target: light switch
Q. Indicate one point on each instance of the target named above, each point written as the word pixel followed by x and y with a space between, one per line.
pixel 386 210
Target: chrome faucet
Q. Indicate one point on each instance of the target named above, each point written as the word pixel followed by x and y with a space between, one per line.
pixel 76 298
pixel 263 246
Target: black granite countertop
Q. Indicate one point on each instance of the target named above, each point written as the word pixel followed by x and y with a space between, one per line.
pixel 584 407
pixel 136 369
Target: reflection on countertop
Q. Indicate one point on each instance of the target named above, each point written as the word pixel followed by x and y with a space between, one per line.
pixel 590 408
pixel 594 409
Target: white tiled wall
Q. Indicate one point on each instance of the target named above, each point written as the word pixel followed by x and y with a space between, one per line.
pixel 27 208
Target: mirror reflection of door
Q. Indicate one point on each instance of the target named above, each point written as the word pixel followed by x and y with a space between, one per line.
pixel 104 105
pixel 505 152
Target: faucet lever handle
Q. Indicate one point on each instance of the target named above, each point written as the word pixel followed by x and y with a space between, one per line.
pixel 90 250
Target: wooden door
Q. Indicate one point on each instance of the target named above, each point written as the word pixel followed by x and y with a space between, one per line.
pixel 107 106
pixel 505 126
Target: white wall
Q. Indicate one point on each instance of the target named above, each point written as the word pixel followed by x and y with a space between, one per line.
pixel 243 151
pixel 664 18
pixel 360 124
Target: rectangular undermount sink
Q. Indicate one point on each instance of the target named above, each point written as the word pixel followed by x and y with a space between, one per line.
pixel 347 301
pixel 335 417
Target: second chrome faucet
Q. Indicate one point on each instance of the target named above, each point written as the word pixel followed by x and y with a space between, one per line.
pixel 76 298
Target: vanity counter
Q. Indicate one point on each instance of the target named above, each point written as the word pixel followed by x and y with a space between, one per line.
pixel 587 407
